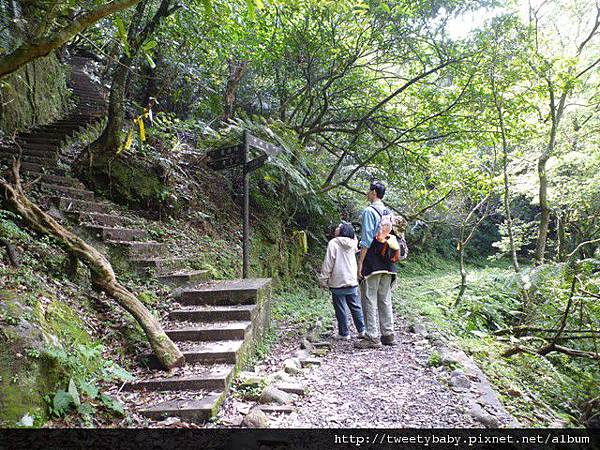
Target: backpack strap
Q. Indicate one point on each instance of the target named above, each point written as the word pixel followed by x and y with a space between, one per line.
pixel 380 213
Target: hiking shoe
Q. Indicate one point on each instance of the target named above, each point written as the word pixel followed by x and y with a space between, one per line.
pixel 367 343
pixel 390 339
pixel 340 337
pixel 361 335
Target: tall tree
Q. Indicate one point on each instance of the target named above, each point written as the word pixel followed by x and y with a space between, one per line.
pixel 138 33
pixel 561 77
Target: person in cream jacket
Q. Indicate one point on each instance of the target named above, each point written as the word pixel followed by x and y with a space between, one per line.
pixel 339 275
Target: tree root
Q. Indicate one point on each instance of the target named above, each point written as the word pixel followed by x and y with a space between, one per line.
pixel 102 274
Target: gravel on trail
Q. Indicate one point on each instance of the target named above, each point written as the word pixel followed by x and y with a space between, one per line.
pixel 387 387
pixel 391 387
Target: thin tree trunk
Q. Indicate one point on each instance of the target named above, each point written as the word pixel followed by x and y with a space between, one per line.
pixel 540 248
pixel 462 243
pixel 102 274
pixel 463 274
pixel 236 72
pixel 556 112
pixel 561 236
pixel 110 140
pixel 507 212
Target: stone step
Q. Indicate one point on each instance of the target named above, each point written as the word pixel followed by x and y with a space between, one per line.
pixel 74 123
pixel 45 131
pixel 45 162
pixel 29 151
pixel 276 409
pixel 71 204
pixel 49 134
pixel 135 249
pixel 72 192
pixel 115 233
pixel 214 352
pixel 159 265
pixel 94 218
pixel 90 103
pixel 216 331
pixel 58 180
pixel 187 410
pixel 58 125
pixel 27 166
pixel 65 130
pixel 208 379
pixel 91 92
pixel 225 292
pixel 78 117
pixel 181 277
pixel 77 122
pixel 85 98
pixel 291 388
pixel 48 146
pixel 214 314
pixel 92 111
pixel 40 140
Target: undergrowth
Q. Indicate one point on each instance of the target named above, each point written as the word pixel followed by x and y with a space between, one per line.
pixel 302 306
pixel 537 390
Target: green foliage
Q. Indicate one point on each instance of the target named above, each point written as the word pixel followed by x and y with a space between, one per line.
pixel 303 307
pixel 546 387
pixel 86 366
pixel 8 228
pixel 250 391
pixel 435 359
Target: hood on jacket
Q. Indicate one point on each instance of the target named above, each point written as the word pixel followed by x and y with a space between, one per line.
pixel 347 242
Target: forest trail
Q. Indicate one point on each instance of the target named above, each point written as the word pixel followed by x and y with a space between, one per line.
pixel 395 387
pixel 390 387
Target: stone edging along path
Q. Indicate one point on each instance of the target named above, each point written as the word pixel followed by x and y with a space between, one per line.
pixel 483 403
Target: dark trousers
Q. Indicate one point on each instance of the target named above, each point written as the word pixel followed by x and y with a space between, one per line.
pixel 341 304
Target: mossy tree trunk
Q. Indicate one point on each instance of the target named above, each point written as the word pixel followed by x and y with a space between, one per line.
pixel 102 274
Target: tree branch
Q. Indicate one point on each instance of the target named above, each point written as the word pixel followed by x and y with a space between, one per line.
pixel 37 48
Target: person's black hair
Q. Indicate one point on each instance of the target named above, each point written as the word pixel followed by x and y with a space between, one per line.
pixel 347 230
pixel 379 189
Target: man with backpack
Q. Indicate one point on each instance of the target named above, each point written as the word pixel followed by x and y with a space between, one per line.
pixel 377 270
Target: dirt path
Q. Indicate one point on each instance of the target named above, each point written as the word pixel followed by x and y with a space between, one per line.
pixel 390 387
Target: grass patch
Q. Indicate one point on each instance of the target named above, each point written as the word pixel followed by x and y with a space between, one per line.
pixel 303 306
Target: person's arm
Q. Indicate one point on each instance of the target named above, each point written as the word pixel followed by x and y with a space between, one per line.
pixel 327 266
pixel 361 258
pixel 369 222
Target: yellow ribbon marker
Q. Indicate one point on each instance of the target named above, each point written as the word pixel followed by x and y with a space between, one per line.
pixel 140 121
pixel 128 142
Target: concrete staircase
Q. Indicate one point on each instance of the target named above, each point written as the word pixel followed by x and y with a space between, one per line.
pixel 40 149
pixel 216 324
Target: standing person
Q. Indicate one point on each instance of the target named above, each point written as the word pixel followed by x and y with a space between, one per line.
pixel 339 274
pixel 377 274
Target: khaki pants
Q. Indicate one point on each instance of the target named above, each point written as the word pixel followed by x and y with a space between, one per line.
pixel 376 299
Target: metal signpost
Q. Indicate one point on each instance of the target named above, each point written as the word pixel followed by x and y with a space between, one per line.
pixel 227 158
